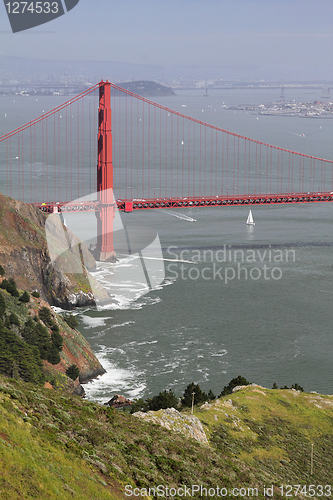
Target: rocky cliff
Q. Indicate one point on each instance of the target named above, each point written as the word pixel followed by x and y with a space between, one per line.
pixel 25 256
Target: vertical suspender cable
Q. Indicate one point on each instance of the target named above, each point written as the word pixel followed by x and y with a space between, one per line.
pixel 82 153
pixel 126 145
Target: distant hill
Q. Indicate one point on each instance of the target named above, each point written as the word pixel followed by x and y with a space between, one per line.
pixel 147 88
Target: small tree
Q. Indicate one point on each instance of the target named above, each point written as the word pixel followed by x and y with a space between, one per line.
pixel 57 340
pixel 73 372
pixel 53 356
pixel 13 319
pixel 2 271
pixel 35 294
pixel 163 400
pixel 297 387
pixel 46 316
pixel 199 395
pixel 139 405
pixel 25 298
pixel 71 321
pixel 2 305
pixel 10 286
pixel 211 395
pixel 275 386
pixel 227 389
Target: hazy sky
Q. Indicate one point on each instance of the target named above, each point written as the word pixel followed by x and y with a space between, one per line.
pixel 262 36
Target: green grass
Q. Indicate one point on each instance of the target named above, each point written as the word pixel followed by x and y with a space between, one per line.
pixel 31 467
pixel 274 430
pixel 53 443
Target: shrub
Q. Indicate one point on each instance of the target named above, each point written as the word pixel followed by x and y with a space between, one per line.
pixel 163 400
pixel 199 395
pixel 55 328
pixel 139 405
pixel 10 286
pixel 211 395
pixel 18 359
pixel 71 321
pixel 2 271
pixel 36 294
pixel 53 356
pixel 57 340
pixel 227 389
pixel 25 298
pixel 46 316
pixel 297 387
pixel 2 305
pixel 294 386
pixel 73 372
pixel 13 319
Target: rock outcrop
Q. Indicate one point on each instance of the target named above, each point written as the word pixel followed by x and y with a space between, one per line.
pixel 118 401
pixel 172 419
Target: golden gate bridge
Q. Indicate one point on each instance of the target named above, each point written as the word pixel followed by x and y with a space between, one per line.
pixel 148 157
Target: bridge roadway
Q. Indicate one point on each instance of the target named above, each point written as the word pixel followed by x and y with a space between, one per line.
pixel 189 202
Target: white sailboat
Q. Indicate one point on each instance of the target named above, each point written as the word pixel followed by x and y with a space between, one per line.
pixel 249 220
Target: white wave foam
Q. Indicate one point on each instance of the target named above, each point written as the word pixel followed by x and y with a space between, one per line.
pixel 92 322
pixel 116 380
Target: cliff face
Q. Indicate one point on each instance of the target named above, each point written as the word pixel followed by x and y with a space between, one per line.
pixel 76 351
pixel 24 255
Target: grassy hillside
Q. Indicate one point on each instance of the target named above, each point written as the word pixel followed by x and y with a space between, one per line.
pixel 58 446
pixel 273 431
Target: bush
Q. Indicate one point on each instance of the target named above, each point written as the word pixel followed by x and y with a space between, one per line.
pixel 199 395
pixel 297 387
pixel 13 319
pixel 53 356
pixel 18 359
pixel 139 405
pixel 36 294
pixel 2 305
pixel 227 389
pixel 211 395
pixel 71 321
pixel 57 340
pixel 46 316
pixel 25 298
pixel 2 271
pixel 73 372
pixel 294 386
pixel 10 286
pixel 163 400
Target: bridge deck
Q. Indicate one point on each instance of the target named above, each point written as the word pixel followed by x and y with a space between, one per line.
pixel 189 202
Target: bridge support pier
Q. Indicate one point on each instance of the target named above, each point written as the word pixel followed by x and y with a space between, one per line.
pixel 105 248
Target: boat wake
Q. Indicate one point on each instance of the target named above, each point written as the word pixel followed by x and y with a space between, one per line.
pixel 181 216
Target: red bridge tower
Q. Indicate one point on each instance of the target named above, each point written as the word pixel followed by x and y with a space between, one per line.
pixel 105 216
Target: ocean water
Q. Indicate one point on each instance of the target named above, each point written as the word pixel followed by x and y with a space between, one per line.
pixel 236 300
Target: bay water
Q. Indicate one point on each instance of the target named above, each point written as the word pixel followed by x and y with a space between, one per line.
pixel 236 300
